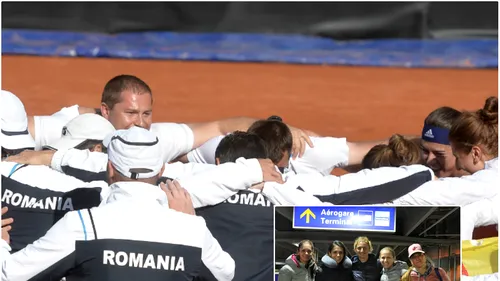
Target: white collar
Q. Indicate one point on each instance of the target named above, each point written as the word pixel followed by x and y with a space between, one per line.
pixel 491 164
pixel 139 191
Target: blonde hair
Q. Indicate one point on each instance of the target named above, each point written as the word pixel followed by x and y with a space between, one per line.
pixel 391 250
pixel 363 239
pixel 406 276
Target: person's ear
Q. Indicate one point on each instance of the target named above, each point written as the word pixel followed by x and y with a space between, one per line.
pixel 105 110
pixel 477 154
pixel 217 161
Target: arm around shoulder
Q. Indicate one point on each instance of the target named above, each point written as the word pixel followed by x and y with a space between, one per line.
pixel 205 131
pixel 358 150
pixel 219 262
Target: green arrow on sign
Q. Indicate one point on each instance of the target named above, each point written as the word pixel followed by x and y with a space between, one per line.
pixel 308 214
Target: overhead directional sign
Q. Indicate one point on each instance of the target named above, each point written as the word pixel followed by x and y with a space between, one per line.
pixel 358 218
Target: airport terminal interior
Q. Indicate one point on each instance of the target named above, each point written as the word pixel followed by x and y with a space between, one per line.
pixel 435 228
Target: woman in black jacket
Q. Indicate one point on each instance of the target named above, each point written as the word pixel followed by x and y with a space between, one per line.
pixel 335 265
pixel 365 265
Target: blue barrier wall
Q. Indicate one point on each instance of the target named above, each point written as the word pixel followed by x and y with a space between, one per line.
pixel 470 53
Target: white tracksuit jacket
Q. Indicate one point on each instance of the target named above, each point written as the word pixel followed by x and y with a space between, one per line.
pixel 36 208
pixel 176 139
pixel 132 235
pixel 444 191
pixel 379 184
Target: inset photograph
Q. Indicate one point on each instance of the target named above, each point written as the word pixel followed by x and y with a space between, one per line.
pixel 367 243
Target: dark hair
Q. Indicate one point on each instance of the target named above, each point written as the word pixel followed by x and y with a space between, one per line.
pixel 89 144
pixel 339 244
pixel 240 144
pixel 111 94
pixel 442 117
pixel 478 128
pixel 311 266
pixel 277 136
pixel 275 117
pixel 399 152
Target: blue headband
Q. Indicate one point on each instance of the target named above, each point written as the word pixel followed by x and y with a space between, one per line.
pixel 435 134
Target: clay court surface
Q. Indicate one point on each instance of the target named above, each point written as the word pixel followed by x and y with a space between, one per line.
pixel 359 103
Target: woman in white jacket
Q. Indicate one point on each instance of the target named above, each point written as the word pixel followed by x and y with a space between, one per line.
pixel 474 140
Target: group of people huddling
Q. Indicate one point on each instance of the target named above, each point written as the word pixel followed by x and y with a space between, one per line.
pixel 224 175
